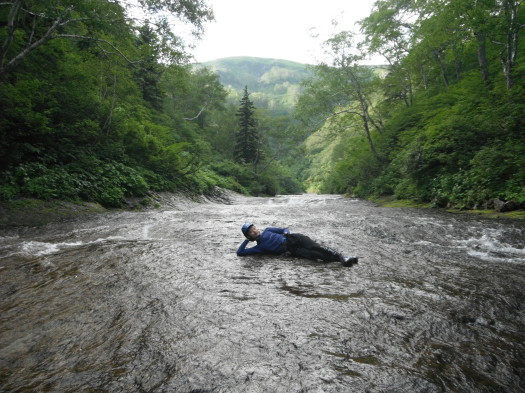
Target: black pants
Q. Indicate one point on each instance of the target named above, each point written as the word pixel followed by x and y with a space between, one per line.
pixel 304 247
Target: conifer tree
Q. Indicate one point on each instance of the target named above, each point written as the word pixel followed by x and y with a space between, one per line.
pixel 247 146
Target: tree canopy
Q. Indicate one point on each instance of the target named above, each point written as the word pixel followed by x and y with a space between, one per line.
pixel 445 124
pixel 98 102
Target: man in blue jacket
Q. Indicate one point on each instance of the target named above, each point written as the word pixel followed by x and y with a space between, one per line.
pixel 280 240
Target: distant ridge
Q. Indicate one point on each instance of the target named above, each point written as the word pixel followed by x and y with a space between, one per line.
pixel 256 70
pixel 261 59
pixel 273 84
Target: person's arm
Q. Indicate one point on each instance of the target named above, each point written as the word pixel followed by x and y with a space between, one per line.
pixel 242 250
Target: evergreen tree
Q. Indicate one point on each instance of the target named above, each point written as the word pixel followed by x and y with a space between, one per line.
pixel 247 146
pixel 148 72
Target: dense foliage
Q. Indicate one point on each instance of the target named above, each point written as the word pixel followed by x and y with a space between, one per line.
pixel 445 125
pixel 97 106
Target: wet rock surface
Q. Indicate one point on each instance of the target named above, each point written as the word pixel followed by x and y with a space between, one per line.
pixel 157 301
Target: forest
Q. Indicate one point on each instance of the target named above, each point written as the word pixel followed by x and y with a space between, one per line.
pixel 445 125
pixel 99 101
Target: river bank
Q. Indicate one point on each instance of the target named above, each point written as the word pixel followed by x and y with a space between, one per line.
pixel 36 212
pixel 489 213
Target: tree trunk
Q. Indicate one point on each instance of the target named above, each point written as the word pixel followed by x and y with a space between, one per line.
pixel 509 51
pixel 442 68
pixel 11 25
pixel 423 76
pixel 482 56
pixel 369 137
pixel 409 90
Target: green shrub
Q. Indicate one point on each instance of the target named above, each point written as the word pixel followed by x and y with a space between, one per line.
pixel 8 191
pixel 406 189
pixel 8 187
pixel 89 179
pixel 111 197
pixel 56 183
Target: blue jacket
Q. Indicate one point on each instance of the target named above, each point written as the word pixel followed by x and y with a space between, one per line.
pixel 270 241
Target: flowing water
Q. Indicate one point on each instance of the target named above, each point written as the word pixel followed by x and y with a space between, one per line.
pixel 158 301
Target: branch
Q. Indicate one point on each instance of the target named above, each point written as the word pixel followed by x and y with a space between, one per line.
pixel 346 111
pixel 48 35
pixel 190 168
pixel 10 30
pixel 81 37
pixel 45 38
pixel 271 160
pixel 198 114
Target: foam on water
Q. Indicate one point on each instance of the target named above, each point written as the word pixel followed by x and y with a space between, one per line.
pixel 35 248
pixel 39 248
pixel 491 246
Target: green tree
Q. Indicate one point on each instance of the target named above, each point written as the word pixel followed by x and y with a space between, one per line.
pixel 388 33
pixel 409 33
pixel 148 71
pixel 78 122
pixel 31 24
pixel 247 141
pixel 344 91
pixel 440 134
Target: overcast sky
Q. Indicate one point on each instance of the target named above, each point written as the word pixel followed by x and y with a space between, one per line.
pixel 281 29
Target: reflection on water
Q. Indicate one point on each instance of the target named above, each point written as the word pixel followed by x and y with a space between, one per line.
pixel 159 302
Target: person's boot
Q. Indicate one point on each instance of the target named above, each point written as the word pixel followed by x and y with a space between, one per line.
pixel 349 261
pixel 330 255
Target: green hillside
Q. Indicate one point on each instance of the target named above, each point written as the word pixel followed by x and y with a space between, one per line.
pixel 273 84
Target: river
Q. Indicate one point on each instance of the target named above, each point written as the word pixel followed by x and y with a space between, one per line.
pixel 158 301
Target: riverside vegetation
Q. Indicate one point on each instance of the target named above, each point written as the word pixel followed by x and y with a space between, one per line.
pixel 445 125
pixel 96 106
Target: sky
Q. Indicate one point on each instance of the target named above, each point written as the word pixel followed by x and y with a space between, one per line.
pixel 281 29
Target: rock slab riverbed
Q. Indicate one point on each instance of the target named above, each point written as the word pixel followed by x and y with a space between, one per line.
pixel 158 301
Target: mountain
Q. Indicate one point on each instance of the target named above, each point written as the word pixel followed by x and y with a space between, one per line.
pixel 272 83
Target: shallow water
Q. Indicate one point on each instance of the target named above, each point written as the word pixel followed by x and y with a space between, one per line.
pixel 158 302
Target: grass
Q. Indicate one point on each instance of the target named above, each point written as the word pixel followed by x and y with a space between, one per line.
pixel 391 202
pixel 407 203
pixel 516 214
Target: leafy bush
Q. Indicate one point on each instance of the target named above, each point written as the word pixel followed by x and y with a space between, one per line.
pixel 288 184
pixel 8 188
pixel 92 180
pixel 272 179
pixel 111 197
pixel 55 183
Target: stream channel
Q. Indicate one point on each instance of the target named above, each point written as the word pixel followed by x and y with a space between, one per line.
pixel 158 301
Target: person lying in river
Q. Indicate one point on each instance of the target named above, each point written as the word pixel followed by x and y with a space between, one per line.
pixel 280 240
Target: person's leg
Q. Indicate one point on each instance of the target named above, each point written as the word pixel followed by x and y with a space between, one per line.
pixel 307 254
pixel 329 254
pixel 302 246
